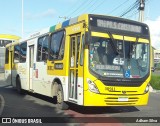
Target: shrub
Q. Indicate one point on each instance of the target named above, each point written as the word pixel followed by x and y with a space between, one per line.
pixel 155 82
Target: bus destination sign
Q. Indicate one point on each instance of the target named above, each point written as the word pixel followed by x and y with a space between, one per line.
pixel 119 26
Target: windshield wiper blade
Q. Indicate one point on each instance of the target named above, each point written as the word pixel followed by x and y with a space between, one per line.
pixel 112 43
pixel 138 65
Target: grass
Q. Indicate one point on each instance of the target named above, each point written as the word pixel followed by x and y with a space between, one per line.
pixel 155 81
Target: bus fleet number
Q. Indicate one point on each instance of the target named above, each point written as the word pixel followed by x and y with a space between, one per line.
pixel 110 88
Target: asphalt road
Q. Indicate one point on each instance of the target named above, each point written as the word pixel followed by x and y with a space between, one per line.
pixel 13 104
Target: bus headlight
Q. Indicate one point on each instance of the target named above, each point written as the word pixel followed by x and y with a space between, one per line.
pixel 146 89
pixel 92 86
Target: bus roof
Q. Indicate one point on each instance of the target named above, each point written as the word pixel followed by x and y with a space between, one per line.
pixel 83 17
pixel 59 26
pixel 9 37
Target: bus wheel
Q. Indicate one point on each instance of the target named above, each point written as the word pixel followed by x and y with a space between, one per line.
pixel 18 85
pixel 61 104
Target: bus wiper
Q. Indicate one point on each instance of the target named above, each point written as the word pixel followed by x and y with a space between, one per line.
pixel 112 43
pixel 138 65
pixel 117 52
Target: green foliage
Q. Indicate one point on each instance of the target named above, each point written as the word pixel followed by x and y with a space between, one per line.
pixel 155 82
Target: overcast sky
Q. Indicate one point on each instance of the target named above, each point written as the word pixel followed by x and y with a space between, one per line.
pixel 39 14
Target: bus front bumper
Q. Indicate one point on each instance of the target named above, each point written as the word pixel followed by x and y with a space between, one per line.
pixel 93 99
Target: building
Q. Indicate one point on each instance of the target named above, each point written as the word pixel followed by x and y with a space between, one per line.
pixel 152 56
pixel 4 40
pixel 156 56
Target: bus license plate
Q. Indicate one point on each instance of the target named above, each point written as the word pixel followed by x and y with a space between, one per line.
pixel 122 99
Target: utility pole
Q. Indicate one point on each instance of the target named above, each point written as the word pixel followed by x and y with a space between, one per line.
pixel 141 10
pixel 22 19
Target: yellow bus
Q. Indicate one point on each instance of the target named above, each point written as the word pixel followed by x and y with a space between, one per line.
pixel 4 40
pixel 90 60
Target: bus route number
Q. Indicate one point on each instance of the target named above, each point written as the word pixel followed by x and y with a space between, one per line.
pixel 75 29
pixel 110 89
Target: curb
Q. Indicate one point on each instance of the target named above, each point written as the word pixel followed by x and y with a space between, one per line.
pixel 153 90
pixel 156 91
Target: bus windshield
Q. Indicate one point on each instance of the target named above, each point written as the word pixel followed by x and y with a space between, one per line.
pixel 119 58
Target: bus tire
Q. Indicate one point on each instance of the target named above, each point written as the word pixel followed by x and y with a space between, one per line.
pixel 18 85
pixel 61 104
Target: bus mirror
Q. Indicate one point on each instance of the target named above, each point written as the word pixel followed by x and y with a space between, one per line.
pixel 87 38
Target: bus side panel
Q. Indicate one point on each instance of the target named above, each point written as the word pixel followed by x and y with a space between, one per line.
pixel 41 81
pixel 22 72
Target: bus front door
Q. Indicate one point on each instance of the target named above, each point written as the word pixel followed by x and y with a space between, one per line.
pixel 74 66
pixel 31 61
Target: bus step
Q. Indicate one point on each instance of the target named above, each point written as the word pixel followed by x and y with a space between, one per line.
pixel 31 90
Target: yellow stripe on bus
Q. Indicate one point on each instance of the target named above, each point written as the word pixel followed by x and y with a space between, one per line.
pixel 126 38
pixel 120 37
pixel 105 35
pixel 143 40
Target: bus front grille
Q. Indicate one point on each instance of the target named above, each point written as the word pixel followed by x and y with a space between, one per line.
pixel 121 100
pixel 119 104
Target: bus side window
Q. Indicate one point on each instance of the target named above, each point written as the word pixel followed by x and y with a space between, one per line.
pixel 61 51
pixel 7 56
pixel 42 50
pixel 23 52
pixel 57 45
pixel 16 53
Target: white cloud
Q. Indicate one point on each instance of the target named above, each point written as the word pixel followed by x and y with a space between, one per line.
pixel 155 32
pixel 50 13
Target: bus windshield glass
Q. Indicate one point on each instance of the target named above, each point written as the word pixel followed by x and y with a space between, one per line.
pixel 119 58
